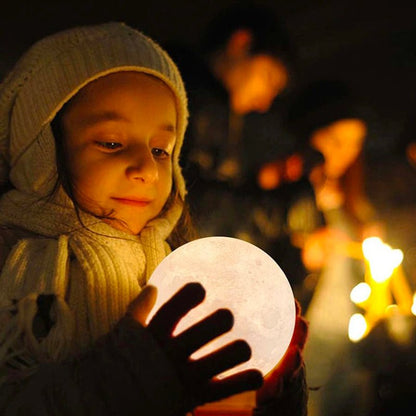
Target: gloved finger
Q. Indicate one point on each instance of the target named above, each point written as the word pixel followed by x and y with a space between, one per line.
pixel 214 325
pixel 218 389
pixel 219 361
pixel 140 308
pixel 169 314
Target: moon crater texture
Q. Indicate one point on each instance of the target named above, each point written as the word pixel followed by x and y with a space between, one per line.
pixel 241 277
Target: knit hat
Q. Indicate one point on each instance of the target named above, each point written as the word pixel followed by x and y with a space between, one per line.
pixel 54 70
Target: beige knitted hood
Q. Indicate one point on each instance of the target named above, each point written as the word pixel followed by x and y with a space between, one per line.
pixel 52 72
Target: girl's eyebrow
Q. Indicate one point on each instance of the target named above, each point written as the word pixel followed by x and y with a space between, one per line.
pixel 168 127
pixel 101 117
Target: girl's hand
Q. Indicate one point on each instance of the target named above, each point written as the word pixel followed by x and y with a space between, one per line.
pixel 284 391
pixel 197 376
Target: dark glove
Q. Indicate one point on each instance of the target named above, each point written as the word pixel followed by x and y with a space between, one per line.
pixel 138 370
pixel 197 376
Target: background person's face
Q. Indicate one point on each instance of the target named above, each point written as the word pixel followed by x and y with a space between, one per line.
pixel 256 81
pixel 340 144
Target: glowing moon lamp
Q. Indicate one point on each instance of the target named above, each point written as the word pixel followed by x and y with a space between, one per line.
pixel 241 277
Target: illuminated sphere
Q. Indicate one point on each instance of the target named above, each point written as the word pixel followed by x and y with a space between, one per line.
pixel 241 277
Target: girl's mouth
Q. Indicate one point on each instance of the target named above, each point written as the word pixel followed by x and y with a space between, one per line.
pixel 133 201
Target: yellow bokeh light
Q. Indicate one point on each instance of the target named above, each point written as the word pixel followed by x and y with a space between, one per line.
pixel 413 309
pixel 370 247
pixel 385 293
pixel 357 327
pixel 360 293
pixel 382 259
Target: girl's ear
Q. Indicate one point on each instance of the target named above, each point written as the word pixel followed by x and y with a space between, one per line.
pixel 239 43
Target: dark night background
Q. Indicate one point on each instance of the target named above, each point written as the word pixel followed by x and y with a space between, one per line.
pixel 370 44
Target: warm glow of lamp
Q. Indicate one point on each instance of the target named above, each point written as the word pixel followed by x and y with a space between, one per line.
pixel 360 293
pixel 413 309
pixel 357 327
pixel 382 258
pixel 241 277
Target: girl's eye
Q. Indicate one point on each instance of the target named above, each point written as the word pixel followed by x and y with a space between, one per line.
pixel 109 145
pixel 160 153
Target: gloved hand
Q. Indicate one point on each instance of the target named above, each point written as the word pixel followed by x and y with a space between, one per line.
pixel 197 376
pixel 138 370
pixel 284 391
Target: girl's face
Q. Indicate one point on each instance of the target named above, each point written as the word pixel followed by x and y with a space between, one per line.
pixel 119 135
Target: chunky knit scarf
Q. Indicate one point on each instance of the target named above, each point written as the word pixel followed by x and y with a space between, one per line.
pixel 93 270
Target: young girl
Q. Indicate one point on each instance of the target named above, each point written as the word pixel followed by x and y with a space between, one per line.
pixel 92 121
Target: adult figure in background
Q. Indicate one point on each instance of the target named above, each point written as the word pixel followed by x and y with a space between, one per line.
pixel 327 118
pixel 242 65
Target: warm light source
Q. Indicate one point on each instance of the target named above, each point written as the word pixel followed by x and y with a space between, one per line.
pixel 382 258
pixel 360 293
pixel 239 276
pixel 357 327
pixel 384 294
pixel 413 308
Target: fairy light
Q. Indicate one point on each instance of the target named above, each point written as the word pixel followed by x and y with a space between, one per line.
pixel 385 292
pixel 360 293
pixel 382 258
pixel 357 327
pixel 413 308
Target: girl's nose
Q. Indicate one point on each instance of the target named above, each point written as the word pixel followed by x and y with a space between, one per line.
pixel 143 168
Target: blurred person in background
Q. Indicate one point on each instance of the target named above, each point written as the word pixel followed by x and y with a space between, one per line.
pixel 325 173
pixel 327 118
pixel 236 82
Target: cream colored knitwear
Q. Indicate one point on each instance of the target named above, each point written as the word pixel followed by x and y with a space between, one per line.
pixel 93 271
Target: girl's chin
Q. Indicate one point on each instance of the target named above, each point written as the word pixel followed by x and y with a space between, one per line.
pixel 121 225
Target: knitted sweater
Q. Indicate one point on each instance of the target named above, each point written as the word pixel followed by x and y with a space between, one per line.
pixel 86 357
pixel 123 372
